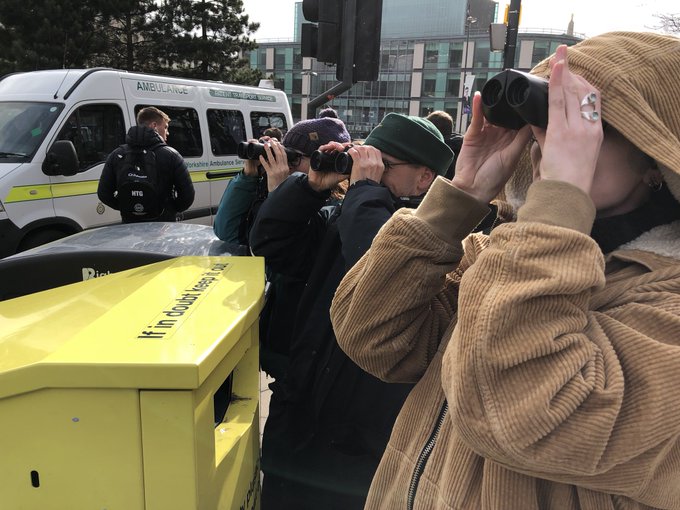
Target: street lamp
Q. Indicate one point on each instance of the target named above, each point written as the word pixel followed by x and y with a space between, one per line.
pixel 465 100
pixel 308 80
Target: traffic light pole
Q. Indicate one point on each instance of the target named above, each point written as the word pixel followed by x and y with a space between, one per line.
pixel 511 34
pixel 329 95
pixel 347 42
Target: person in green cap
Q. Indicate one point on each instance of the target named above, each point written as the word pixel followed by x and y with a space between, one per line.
pixel 329 421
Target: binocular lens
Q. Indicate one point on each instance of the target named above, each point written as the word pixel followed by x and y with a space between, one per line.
pixel 518 92
pixel 492 93
pixel 242 150
pixel 339 162
pixel 513 98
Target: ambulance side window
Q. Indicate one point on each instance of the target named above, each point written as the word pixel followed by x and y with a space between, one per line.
pixel 227 128
pixel 260 121
pixel 95 130
pixel 184 133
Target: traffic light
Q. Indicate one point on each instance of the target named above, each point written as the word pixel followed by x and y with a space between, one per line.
pixel 367 29
pixel 322 40
pixel 347 33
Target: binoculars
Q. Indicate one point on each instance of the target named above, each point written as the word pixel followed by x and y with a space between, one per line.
pixel 339 162
pixel 512 99
pixel 253 150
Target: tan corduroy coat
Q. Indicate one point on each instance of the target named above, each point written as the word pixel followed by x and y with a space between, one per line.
pixel 561 369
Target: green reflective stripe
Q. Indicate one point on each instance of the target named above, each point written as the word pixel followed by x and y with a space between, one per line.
pixel 73 189
pixel 49 191
pixel 26 193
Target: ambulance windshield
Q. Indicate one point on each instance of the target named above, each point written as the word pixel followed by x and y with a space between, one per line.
pixel 23 126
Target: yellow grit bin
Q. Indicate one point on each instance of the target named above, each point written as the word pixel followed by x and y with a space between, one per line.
pixel 134 391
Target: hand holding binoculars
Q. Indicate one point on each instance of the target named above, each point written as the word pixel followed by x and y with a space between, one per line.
pixel 253 150
pixel 338 162
pixel 512 99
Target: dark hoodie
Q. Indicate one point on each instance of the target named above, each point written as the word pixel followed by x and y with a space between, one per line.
pixel 174 181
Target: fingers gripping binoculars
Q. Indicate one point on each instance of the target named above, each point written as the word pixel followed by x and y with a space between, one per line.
pixel 253 150
pixel 512 99
pixel 338 162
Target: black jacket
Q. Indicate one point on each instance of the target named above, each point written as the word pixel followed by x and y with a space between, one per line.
pixel 173 176
pixel 329 421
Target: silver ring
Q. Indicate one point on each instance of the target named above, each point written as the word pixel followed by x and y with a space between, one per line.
pixel 593 116
pixel 589 99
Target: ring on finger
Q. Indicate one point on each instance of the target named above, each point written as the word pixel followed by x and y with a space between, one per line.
pixel 589 99
pixel 593 116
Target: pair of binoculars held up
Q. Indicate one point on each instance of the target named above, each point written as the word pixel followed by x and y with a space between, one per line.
pixel 253 150
pixel 339 162
pixel 512 99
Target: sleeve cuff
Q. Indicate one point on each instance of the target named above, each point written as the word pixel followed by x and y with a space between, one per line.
pixel 451 213
pixel 558 203
pixel 247 178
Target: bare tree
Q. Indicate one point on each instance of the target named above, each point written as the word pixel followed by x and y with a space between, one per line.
pixel 669 23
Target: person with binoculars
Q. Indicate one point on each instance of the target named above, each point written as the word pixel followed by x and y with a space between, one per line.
pixel 329 421
pixel 546 355
pixel 239 207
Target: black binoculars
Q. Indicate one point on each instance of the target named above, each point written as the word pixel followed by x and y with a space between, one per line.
pixel 339 162
pixel 253 150
pixel 512 99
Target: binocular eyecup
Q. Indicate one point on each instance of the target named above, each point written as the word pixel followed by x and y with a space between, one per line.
pixel 253 150
pixel 512 99
pixel 338 162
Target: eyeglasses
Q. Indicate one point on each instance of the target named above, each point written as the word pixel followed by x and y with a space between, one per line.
pixel 296 160
pixel 389 164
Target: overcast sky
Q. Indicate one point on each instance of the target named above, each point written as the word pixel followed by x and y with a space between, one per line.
pixel 591 17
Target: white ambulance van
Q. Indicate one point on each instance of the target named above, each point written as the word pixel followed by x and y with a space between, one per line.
pixel 57 128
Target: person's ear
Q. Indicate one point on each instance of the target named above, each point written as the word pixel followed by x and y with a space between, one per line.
pixel 653 178
pixel 425 179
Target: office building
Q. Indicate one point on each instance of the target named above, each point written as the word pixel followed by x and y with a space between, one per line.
pixel 429 50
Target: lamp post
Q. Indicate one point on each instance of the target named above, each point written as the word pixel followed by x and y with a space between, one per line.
pixel 465 100
pixel 309 74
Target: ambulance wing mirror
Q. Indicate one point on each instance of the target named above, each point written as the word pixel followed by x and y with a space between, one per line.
pixel 61 159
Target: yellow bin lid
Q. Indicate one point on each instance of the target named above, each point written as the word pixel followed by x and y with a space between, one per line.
pixel 161 326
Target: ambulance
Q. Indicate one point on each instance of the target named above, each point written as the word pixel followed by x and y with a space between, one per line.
pixel 57 127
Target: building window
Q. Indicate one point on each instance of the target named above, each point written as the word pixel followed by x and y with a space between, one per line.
pixel 456 54
pixel 453 84
pixel 541 51
pixel 297 84
pixel 431 53
pixel 429 84
pixel 280 58
pixel 481 58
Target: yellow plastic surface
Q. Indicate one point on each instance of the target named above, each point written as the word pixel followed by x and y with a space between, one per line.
pixel 107 390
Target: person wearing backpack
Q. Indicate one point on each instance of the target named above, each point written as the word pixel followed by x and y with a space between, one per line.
pixel 145 179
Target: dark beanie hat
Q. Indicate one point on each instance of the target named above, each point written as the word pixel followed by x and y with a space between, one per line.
pixel 308 135
pixel 412 139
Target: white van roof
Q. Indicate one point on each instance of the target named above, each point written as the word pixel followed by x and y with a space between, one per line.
pixel 59 84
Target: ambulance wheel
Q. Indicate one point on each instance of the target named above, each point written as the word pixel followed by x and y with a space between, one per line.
pixel 39 238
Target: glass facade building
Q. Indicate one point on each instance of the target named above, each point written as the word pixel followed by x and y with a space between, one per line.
pixel 425 62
